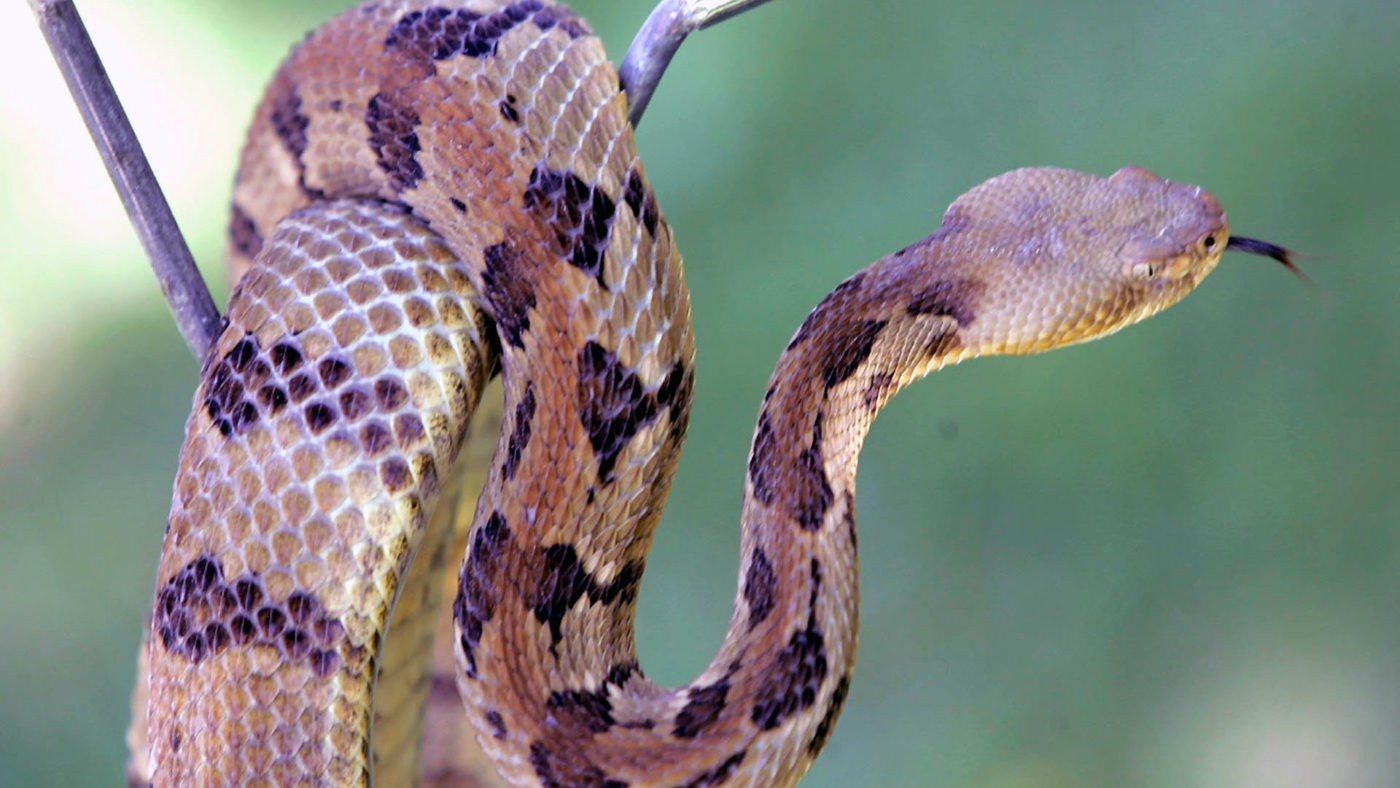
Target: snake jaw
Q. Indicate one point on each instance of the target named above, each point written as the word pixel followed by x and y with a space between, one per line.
pixel 1158 263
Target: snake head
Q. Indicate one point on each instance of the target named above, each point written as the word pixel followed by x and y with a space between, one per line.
pixel 1183 240
pixel 1173 235
pixel 1069 256
pixel 1061 256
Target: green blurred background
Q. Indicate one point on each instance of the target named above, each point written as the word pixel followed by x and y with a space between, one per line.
pixel 1169 559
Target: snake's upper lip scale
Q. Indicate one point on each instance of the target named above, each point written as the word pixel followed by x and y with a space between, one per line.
pixel 1253 246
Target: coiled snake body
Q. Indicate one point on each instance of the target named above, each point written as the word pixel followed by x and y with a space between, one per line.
pixel 429 188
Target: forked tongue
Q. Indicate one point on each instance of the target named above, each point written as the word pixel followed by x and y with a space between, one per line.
pixel 1266 249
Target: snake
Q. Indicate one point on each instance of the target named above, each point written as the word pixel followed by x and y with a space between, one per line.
pixel 434 193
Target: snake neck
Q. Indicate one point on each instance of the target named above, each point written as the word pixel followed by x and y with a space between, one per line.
pixel 877 332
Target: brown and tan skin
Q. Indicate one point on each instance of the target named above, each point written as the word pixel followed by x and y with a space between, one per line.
pixel 428 192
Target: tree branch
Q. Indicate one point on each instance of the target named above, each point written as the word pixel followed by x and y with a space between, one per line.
pixel 184 288
pixel 661 35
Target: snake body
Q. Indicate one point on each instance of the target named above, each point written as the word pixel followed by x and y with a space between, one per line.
pixel 428 191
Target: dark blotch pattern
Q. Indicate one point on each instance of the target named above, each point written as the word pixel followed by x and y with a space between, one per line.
pixel 851 518
pixel 812 490
pixel 509 110
pixel 828 721
pixel 796 484
pixel 497 723
pixel 563 581
pixel 552 15
pixel 237 380
pixel 301 386
pixel 390 393
pixel 272 398
pixel 760 588
pixel 520 432
pixel 475 602
pixel 286 357
pixel 712 778
pixel 844 358
pixel 334 371
pixel 943 340
pixel 792 682
pixel 589 710
pixel 408 428
pixel 243 235
pixel 393 136
pixel 877 390
pixel 762 457
pixel 614 404
pixel 619 674
pixel 508 291
pixel 567 769
pixel 287 121
pixel 440 33
pixel 580 214
pixel 395 475
pixel 701 709
pixel 674 395
pixel 319 416
pixel 198 614
pixel 640 199
pixel 950 298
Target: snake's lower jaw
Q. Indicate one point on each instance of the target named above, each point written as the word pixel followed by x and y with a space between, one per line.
pixel 1192 268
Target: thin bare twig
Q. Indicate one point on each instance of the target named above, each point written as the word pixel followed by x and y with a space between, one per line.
pixel 184 288
pixel 661 35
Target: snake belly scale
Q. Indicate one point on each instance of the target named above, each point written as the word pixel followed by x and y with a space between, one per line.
pixel 431 192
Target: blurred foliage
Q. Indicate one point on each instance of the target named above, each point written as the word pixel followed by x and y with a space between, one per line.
pixel 1167 559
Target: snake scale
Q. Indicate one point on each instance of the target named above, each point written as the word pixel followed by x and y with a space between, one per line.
pixel 430 193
